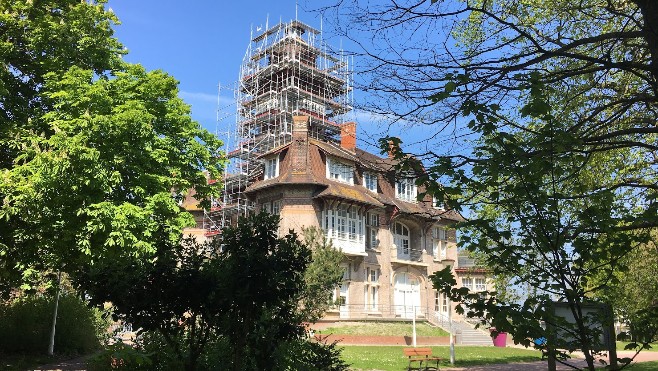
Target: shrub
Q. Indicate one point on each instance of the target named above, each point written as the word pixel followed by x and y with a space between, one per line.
pixel 120 356
pixel 309 356
pixel 26 325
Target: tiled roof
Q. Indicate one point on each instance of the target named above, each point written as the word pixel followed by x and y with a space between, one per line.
pixel 348 192
pixel 334 150
pixel 274 150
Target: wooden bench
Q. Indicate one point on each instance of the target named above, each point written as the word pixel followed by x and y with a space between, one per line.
pixel 421 358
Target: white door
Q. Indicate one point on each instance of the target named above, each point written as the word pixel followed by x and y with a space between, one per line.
pixel 343 308
pixel 407 295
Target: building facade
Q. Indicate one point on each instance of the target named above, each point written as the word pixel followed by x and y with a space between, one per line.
pixel 296 158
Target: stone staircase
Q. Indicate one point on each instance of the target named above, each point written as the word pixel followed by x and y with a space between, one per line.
pixel 471 336
pixel 466 333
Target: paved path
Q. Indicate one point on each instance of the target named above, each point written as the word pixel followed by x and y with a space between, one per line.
pixel 79 364
pixel 76 364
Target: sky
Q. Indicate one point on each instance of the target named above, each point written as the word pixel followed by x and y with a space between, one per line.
pixel 202 43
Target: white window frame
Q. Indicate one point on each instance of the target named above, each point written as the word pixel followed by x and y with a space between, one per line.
pixel 440 239
pixel 339 171
pixel 272 207
pixel 468 283
pixel 438 204
pixel 401 240
pixel 370 181
pixel 406 190
pixel 271 169
pixel 371 288
pixel 480 284
pixel 345 227
pixel 441 302
pixel 372 230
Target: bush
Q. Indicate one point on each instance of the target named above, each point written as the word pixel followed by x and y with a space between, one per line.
pixel 309 356
pixel 26 323
pixel 120 356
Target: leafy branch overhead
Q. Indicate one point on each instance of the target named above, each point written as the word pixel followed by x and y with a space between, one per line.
pixel 542 128
pixel 97 153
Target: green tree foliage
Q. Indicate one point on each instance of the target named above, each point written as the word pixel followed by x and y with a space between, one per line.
pixel 322 275
pixel 545 116
pixel 261 281
pixel 242 289
pixel 633 291
pixel 95 148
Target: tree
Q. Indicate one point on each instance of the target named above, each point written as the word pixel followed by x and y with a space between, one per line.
pixel 322 276
pixel 41 37
pixel 96 149
pixel 633 290
pixel 545 117
pixel 243 287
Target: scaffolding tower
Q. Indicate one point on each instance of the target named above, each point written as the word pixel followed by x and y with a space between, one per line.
pixel 286 71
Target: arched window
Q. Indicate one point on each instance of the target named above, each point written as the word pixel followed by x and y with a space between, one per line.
pixel 401 239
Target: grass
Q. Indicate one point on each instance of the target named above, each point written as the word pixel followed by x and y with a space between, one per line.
pixel 390 358
pixel 384 329
pixel 643 366
pixel 622 344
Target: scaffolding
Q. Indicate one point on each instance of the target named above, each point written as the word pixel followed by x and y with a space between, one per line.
pixel 286 71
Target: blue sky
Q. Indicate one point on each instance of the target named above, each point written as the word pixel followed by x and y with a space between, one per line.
pixel 202 43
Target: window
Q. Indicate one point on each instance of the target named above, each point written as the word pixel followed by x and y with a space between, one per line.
pixel 271 207
pixel 371 288
pixel 372 229
pixel 437 203
pixel 371 275
pixel 468 283
pixel 480 284
pixel 347 271
pixel 401 239
pixel 339 171
pixel 370 181
pixel 440 244
pixel 405 189
pixel 344 225
pixel 271 167
pixel 441 302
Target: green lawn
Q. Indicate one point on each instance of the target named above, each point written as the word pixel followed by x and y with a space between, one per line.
pixel 644 366
pixel 390 358
pixel 384 328
pixel 622 344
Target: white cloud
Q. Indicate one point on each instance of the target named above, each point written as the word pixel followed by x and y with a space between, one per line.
pixel 205 98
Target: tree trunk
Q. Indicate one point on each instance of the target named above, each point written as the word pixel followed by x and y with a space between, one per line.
pixel 649 9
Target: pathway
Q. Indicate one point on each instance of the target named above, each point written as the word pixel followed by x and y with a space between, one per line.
pixel 543 365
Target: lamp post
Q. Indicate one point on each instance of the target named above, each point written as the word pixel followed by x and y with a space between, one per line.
pixel 51 344
pixel 452 335
pixel 413 322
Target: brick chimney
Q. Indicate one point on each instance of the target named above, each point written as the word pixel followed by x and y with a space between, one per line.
pixel 299 145
pixel 348 136
pixel 391 149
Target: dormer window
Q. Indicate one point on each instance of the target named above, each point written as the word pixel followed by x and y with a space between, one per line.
pixel 438 203
pixel 271 167
pixel 405 189
pixel 340 171
pixel 370 181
